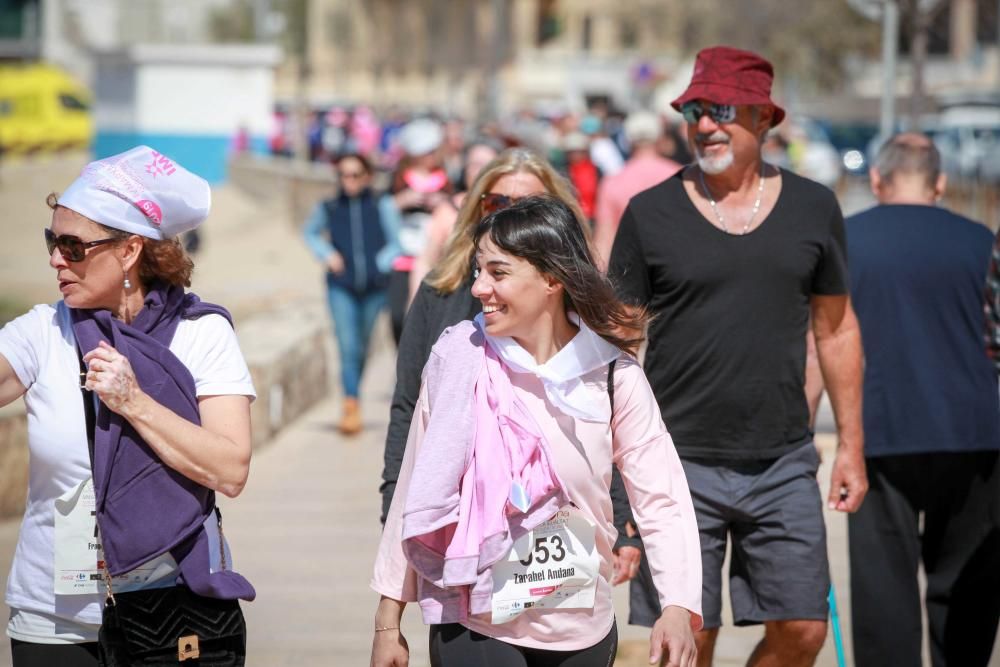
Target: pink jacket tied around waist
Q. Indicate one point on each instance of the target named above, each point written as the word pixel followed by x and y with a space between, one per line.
pixel 474 490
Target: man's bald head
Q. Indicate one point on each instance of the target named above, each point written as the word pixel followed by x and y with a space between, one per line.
pixel 907 169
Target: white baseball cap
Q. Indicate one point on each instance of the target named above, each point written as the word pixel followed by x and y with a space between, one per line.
pixel 421 136
pixel 140 191
pixel 642 126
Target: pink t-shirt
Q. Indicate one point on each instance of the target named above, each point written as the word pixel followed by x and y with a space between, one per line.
pixel 638 174
pixel 582 454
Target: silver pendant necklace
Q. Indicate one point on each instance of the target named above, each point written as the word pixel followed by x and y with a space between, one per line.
pixel 715 207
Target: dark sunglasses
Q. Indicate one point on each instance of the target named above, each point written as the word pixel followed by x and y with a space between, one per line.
pixel 71 247
pixel 491 202
pixel 720 113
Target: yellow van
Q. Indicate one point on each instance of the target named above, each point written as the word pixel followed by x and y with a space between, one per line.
pixel 42 108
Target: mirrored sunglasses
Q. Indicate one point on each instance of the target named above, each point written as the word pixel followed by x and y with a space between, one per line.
pixel 720 113
pixel 72 248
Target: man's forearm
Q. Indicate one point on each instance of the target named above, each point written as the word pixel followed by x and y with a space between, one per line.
pixel 840 359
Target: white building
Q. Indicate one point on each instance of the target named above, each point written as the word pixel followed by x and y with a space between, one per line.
pixel 188 101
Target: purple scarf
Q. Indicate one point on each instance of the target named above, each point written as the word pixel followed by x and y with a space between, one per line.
pixel 144 508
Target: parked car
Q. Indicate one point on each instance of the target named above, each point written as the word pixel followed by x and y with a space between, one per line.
pixel 968 138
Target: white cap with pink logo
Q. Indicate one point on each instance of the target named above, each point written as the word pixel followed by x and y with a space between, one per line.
pixel 140 191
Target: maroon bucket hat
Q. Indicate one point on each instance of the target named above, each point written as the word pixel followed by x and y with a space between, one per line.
pixel 725 75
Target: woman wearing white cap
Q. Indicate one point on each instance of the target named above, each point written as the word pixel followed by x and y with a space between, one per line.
pixel 124 469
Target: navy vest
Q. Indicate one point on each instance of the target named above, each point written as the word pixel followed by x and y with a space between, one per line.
pixel 355 230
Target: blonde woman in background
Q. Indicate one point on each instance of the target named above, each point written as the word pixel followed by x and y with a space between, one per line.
pixel 444 298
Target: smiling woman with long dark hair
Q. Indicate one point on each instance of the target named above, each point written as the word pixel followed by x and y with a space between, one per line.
pixel 443 299
pixel 501 526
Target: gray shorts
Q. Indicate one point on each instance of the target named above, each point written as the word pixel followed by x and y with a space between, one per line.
pixel 773 512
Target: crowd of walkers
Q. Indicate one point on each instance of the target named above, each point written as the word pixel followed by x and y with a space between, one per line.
pixel 426 167
pixel 601 378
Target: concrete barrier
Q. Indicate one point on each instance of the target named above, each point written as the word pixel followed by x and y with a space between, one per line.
pixel 287 355
pixel 299 185
pixel 13 459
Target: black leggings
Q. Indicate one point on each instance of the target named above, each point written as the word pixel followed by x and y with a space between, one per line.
pixel 29 654
pixel 454 645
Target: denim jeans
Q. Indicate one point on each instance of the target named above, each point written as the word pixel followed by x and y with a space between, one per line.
pixel 353 319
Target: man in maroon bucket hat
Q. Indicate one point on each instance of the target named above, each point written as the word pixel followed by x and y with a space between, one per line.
pixel 735 258
pixel 726 75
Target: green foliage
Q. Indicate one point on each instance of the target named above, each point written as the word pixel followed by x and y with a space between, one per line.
pixel 234 23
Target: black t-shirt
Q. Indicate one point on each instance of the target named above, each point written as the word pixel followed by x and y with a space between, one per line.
pixel 727 346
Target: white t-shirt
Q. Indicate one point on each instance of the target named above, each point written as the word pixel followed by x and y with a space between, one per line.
pixel 41 348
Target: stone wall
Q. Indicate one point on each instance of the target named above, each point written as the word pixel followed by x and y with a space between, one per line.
pixel 13 459
pixel 287 355
pixel 298 185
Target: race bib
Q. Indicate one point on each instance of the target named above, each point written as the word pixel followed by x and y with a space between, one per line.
pixel 79 556
pixel 555 566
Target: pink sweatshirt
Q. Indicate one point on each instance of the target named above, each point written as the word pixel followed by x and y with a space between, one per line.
pixel 457 521
pixel 582 454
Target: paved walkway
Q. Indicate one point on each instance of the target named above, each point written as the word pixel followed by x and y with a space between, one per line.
pixel 306 528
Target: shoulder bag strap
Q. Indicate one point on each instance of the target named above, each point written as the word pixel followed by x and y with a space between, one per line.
pixel 89 411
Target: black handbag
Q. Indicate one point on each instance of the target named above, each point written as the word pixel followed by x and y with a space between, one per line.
pixel 166 626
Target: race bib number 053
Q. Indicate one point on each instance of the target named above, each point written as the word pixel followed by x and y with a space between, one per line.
pixel 555 566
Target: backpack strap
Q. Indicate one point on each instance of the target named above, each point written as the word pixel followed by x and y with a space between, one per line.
pixel 621 510
pixel 611 385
